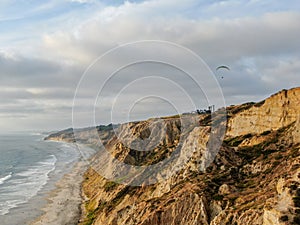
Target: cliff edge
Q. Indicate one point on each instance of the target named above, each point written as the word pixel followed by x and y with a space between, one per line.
pixel 252 179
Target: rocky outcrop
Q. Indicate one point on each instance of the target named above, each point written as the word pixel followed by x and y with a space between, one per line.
pixel 248 175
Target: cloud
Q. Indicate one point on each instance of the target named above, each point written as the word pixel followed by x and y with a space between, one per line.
pixel 230 41
pixel 284 72
pixel 82 1
pixel 257 39
pixel 272 33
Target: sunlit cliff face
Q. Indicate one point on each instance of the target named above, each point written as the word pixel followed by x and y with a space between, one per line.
pixel 245 183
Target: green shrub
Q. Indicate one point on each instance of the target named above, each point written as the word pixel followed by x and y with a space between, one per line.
pixel 276 163
pixel 218 197
pixel 259 103
pixel 90 218
pixel 279 156
pixel 296 220
pixel 235 141
pixel 265 133
pixel 110 185
pixel 284 218
pixel 296 201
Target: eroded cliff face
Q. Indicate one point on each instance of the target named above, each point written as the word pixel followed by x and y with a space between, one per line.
pixel 276 112
pixel 253 178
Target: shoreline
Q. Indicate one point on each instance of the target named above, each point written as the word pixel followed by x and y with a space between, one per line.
pixel 65 201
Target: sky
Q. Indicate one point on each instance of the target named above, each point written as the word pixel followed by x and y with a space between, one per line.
pixel 49 54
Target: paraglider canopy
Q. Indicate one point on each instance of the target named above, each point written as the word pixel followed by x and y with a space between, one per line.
pixel 222 67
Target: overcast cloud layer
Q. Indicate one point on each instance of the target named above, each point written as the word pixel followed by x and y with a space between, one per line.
pixel 45 47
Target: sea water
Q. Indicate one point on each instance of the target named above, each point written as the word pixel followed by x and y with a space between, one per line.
pixel 29 168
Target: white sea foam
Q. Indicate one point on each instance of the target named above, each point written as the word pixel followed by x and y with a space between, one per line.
pixel 7 205
pixel 2 179
pixel 22 186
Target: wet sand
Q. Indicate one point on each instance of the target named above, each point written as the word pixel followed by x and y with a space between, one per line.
pixel 64 203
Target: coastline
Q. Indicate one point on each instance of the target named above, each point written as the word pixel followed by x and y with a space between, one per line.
pixel 65 201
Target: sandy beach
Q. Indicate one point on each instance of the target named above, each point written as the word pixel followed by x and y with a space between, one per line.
pixel 64 202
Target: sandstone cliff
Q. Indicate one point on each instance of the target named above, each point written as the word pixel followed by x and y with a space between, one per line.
pixel 245 175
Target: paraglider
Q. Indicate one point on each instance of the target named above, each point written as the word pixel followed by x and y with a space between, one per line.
pixel 222 67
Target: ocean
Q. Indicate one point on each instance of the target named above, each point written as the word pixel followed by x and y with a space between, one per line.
pixel 29 169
